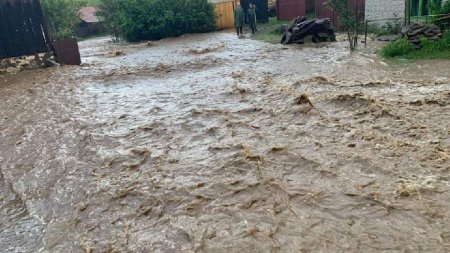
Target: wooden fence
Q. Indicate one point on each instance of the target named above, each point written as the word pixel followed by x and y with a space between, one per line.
pixel 224 13
pixel 22 28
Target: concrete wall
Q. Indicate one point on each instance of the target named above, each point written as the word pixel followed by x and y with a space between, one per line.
pixel 383 9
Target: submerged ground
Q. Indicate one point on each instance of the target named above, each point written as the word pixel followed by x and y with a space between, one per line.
pixel 209 143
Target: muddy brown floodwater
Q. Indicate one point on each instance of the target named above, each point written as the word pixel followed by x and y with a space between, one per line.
pixel 209 143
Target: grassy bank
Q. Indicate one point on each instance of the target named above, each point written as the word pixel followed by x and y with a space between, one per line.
pixel 429 49
pixel 270 32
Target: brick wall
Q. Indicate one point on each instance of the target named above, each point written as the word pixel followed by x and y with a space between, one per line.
pixel 383 9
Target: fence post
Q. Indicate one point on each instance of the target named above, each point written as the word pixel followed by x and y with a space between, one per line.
pixel 365 32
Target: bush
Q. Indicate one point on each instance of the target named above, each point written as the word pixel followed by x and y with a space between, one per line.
pixel 397 48
pixel 428 49
pixel 445 8
pixel 62 16
pixel 109 12
pixel 388 28
pixel 157 19
pixel 438 45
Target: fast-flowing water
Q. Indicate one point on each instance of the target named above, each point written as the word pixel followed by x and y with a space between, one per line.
pixel 209 143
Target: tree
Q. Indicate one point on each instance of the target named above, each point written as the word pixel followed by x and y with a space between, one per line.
pixel 62 16
pixel 347 19
pixel 156 19
pixel 109 12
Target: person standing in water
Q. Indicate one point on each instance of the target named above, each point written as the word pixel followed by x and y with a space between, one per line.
pixel 238 18
pixel 252 17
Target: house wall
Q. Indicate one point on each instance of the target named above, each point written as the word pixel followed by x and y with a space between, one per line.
pixel 382 9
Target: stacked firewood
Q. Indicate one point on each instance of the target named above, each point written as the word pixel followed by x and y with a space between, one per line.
pixel 414 32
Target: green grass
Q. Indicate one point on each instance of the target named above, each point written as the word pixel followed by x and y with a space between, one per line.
pixel 422 55
pixel 92 2
pixel 402 49
pixel 270 32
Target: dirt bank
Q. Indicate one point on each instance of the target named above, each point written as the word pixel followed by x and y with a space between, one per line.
pixel 209 143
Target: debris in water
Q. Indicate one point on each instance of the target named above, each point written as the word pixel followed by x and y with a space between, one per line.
pixel 415 186
pixel 203 50
pixel 303 99
pixel 237 75
pixel 277 149
pixel 320 80
pixel 118 53
pixel 319 29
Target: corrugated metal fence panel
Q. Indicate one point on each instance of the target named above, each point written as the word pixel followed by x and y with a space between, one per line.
pixel 359 8
pixel 290 9
pixel 21 28
pixel 67 51
pixel 224 15
pixel 322 11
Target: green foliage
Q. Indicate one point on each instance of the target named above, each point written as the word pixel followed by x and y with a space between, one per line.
pixel 436 45
pixel 93 2
pixel 392 27
pixel 445 8
pixel 429 49
pixel 109 13
pixel 271 31
pixel 388 28
pixel 397 48
pixel 138 20
pixel 347 20
pixel 62 16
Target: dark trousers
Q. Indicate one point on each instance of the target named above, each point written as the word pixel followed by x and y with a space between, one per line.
pixel 239 30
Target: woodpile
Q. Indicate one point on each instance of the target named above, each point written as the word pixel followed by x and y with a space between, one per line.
pixel 414 32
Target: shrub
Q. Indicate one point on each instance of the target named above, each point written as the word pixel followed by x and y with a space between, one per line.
pixel 436 45
pixel 347 19
pixel 397 48
pixel 62 16
pixel 428 49
pixel 445 8
pixel 157 19
pixel 388 28
pixel 109 12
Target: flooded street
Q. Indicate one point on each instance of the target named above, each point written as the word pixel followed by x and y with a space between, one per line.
pixel 209 143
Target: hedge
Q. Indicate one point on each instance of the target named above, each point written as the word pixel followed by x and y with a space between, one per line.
pixel 156 19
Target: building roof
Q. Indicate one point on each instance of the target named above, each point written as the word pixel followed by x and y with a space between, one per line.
pixel 87 14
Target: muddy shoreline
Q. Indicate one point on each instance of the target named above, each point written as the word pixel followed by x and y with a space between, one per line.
pixel 208 143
